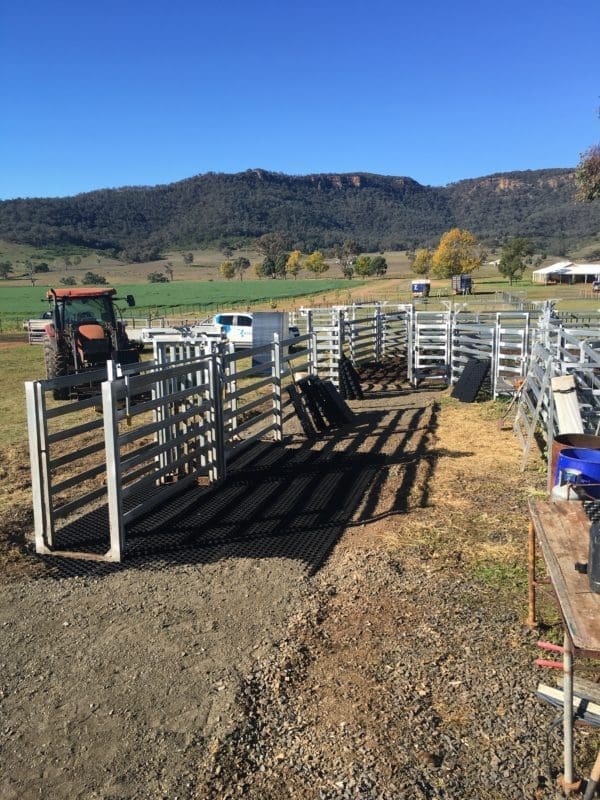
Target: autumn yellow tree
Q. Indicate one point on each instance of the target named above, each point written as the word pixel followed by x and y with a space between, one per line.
pixel 293 265
pixel 227 270
pixel 422 261
pixel 316 263
pixel 457 253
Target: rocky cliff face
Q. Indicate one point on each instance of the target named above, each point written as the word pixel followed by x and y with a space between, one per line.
pixel 317 210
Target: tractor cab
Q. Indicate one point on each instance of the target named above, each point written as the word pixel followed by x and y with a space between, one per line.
pixel 84 332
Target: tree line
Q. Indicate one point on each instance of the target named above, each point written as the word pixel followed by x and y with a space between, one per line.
pixel 314 213
pixel 460 253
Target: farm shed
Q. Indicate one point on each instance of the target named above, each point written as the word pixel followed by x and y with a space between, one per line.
pixel 567 272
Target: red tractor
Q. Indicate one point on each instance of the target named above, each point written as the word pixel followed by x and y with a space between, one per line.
pixel 84 333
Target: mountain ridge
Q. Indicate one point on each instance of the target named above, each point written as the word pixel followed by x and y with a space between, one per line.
pixel 316 210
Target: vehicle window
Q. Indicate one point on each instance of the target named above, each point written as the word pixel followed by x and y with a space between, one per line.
pixel 225 319
pixel 241 320
pixel 86 310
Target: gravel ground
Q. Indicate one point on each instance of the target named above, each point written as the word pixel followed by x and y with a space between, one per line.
pixel 378 670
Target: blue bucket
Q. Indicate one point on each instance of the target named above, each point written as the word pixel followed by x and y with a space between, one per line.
pixel 584 460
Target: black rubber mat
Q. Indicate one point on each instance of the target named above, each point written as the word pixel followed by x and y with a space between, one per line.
pixel 471 380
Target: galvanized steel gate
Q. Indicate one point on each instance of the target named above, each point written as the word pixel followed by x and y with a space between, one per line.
pixel 132 438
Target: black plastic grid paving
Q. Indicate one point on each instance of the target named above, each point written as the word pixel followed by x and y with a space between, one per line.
pixel 277 501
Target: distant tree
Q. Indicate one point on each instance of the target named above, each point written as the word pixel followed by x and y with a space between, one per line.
pixel 512 262
pixel 226 249
pixel 268 267
pixel 41 267
pixel 69 281
pixel 138 255
pixel 270 245
pixel 421 264
pixel 67 262
pixel 169 270
pixel 280 265
pixel 379 266
pixel 240 265
pixel 258 269
pixel 5 269
pixel 156 277
pixel 227 270
pixel 587 174
pixel 457 253
pixel 363 266
pixel 93 279
pixel 346 254
pixel 76 260
pixel 293 264
pixel 316 263
pixel 188 258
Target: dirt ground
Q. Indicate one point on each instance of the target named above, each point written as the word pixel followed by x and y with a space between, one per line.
pixel 356 632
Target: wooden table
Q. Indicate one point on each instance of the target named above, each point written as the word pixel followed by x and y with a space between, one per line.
pixel 562 531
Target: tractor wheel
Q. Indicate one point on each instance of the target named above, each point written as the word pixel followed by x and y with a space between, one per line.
pixel 57 365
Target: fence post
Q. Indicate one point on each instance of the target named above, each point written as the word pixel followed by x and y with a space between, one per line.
pixel 276 351
pixel 217 471
pixel 313 357
pixel 40 473
pixel 410 344
pixel 113 470
pixel 377 326
pixel 337 357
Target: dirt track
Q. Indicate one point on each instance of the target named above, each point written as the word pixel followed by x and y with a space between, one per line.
pixel 335 643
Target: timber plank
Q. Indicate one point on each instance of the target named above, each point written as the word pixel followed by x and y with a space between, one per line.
pixel 562 529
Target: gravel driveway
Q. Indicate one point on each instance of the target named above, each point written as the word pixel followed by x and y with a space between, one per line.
pixel 292 651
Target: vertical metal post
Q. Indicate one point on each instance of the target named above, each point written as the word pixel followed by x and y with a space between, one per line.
pixel 531 574
pixel 550 439
pixel 313 359
pixel 276 351
pixel 378 335
pixel 568 711
pixel 231 387
pixel 113 470
pixel 217 471
pixel 410 345
pixel 40 473
pixel 336 356
pixel 496 337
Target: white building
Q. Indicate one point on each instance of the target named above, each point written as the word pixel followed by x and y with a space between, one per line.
pixel 567 272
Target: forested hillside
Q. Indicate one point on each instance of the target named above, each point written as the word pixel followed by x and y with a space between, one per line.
pixel 312 211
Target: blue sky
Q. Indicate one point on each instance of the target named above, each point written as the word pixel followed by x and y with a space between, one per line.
pixel 107 94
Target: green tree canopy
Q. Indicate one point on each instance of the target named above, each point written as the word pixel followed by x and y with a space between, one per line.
pixel 240 265
pixel 512 261
pixel 270 245
pixel 157 277
pixel 280 265
pixel 5 269
pixel 346 254
pixel 363 266
pixel 587 174
pixel 378 266
pixel 93 279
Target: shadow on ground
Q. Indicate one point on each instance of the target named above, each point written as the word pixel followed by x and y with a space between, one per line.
pixel 279 501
